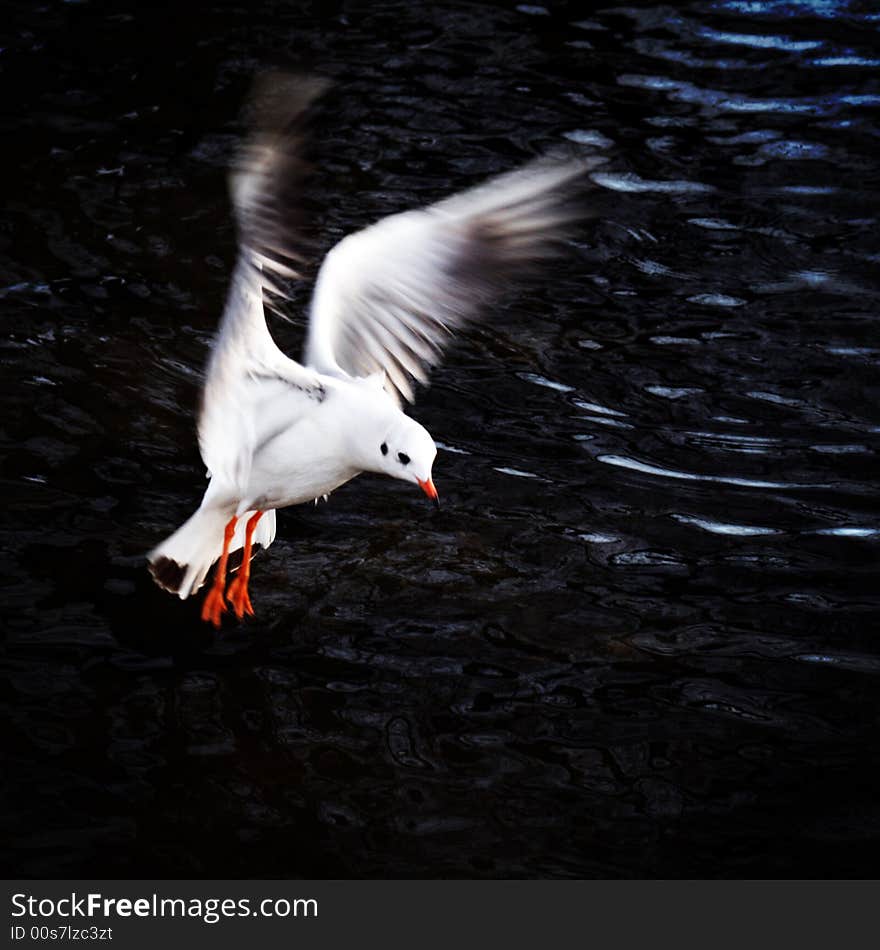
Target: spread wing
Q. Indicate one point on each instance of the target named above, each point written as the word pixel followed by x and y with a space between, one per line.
pixel 246 366
pixel 389 298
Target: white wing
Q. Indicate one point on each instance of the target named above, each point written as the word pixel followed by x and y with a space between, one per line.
pixel 246 365
pixel 388 297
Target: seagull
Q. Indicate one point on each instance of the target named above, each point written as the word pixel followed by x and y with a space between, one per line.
pixel 387 301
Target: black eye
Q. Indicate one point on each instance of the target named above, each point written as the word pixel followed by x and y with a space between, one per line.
pixel 404 458
pixel 383 448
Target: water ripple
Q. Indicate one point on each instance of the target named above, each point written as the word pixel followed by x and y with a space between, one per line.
pixel 594 407
pixel 687 92
pixel 759 40
pixel 850 532
pixel 672 392
pixel 632 183
pixel 718 527
pixel 647 469
pixel 546 383
pixel 716 300
pixel 788 8
pixel 835 61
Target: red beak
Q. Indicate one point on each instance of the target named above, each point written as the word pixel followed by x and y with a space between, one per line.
pixel 429 489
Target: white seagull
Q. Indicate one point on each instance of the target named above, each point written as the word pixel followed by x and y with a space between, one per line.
pixel 274 432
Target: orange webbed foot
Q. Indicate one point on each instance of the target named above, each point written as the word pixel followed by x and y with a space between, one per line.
pixel 238 596
pixel 214 606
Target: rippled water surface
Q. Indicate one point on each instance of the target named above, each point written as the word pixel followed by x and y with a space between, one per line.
pixel 639 639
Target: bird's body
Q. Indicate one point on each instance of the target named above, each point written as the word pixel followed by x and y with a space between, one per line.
pixel 274 432
pixel 305 450
pixel 323 436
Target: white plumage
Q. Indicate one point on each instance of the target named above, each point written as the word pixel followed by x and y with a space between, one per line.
pixel 274 432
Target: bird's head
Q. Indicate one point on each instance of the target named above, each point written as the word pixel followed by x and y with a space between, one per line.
pixel 406 451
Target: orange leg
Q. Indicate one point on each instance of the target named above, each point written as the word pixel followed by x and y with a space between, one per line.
pixel 238 589
pixel 214 607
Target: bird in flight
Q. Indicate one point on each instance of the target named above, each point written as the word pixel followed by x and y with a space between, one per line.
pixel 275 432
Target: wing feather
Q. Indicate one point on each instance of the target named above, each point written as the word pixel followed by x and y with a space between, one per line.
pixel 391 297
pixel 264 186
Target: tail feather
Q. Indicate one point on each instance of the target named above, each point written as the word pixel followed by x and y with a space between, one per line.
pixel 181 562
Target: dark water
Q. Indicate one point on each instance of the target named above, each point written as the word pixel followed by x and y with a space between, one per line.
pixel 640 638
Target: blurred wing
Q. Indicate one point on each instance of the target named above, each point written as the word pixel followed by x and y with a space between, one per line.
pixel 388 298
pixel 246 364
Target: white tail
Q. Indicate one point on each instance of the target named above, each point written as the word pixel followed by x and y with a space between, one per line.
pixel 182 561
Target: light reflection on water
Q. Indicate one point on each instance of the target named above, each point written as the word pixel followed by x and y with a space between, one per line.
pixel 792 8
pixel 638 637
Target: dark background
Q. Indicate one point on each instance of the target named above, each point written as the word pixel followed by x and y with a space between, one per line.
pixel 639 639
